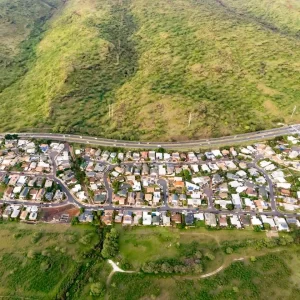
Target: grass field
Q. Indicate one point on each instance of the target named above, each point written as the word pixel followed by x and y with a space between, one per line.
pixel 50 261
pixel 142 244
pixel 270 276
pixel 63 64
pixel 38 260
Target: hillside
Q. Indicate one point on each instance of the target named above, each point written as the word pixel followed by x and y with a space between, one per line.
pixel 138 69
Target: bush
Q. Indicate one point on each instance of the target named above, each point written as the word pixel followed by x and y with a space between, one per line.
pixel 110 245
pixel 46 253
pixel 209 256
pixel 32 254
pixel 97 289
pixel 72 238
pixel 44 266
pixel 36 237
pixel 229 250
pixel 86 240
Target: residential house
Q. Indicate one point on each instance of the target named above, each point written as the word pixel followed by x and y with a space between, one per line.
pixel 127 218
pixel 24 193
pixel 147 218
pixel 210 219
pixel 131 198
pixel 156 219
pixel 40 195
pixel 145 169
pixel 281 224
pixel 24 215
pixel 223 221
pixel 189 219
pixel 107 218
pixel 176 218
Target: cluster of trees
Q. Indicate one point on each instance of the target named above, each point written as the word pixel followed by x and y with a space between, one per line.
pixel 110 245
pixel 11 136
pixel 169 268
pixel 229 246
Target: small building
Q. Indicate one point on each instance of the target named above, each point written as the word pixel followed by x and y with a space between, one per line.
pixel 147 219
pixel 127 218
pixel 189 219
pixel 40 195
pixel 49 196
pixel 33 216
pixel 210 220
pixel 25 192
pixel 48 183
pixel 176 218
pixel 166 220
pixel 24 215
pixel 107 218
pixel 15 213
pixel 155 220
pixel 86 217
pixel 281 224
pixel 223 221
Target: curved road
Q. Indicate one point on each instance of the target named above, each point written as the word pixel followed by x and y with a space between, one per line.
pixel 227 140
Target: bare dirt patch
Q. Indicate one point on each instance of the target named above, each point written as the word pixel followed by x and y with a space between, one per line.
pixel 271 234
pixel 50 214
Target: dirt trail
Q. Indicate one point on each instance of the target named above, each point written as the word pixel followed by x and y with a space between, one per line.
pixel 224 265
pixel 114 270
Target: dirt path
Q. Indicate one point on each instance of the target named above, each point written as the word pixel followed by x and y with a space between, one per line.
pixel 114 270
pixel 224 265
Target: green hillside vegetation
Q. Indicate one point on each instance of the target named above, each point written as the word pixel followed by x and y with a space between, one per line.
pixel 60 261
pixel 267 276
pixel 280 15
pixel 233 65
pixel 21 26
pixel 40 261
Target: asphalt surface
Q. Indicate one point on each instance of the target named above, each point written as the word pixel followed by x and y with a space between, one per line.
pixel 227 140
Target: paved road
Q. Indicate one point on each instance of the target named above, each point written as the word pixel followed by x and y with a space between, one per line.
pixel 260 135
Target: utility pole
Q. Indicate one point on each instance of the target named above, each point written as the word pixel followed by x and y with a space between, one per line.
pixel 190 119
pixel 294 110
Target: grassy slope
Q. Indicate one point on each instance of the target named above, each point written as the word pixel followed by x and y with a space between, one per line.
pixel 21 23
pixel 22 276
pixel 282 14
pixel 157 61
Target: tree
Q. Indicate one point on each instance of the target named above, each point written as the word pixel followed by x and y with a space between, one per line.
pixel 149 267
pixel 229 250
pixel 31 254
pixel 166 268
pixel 110 245
pixel 197 268
pixel 230 206
pixel 209 255
pixel 75 221
pixel 198 254
pixel 44 266
pixel 97 289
